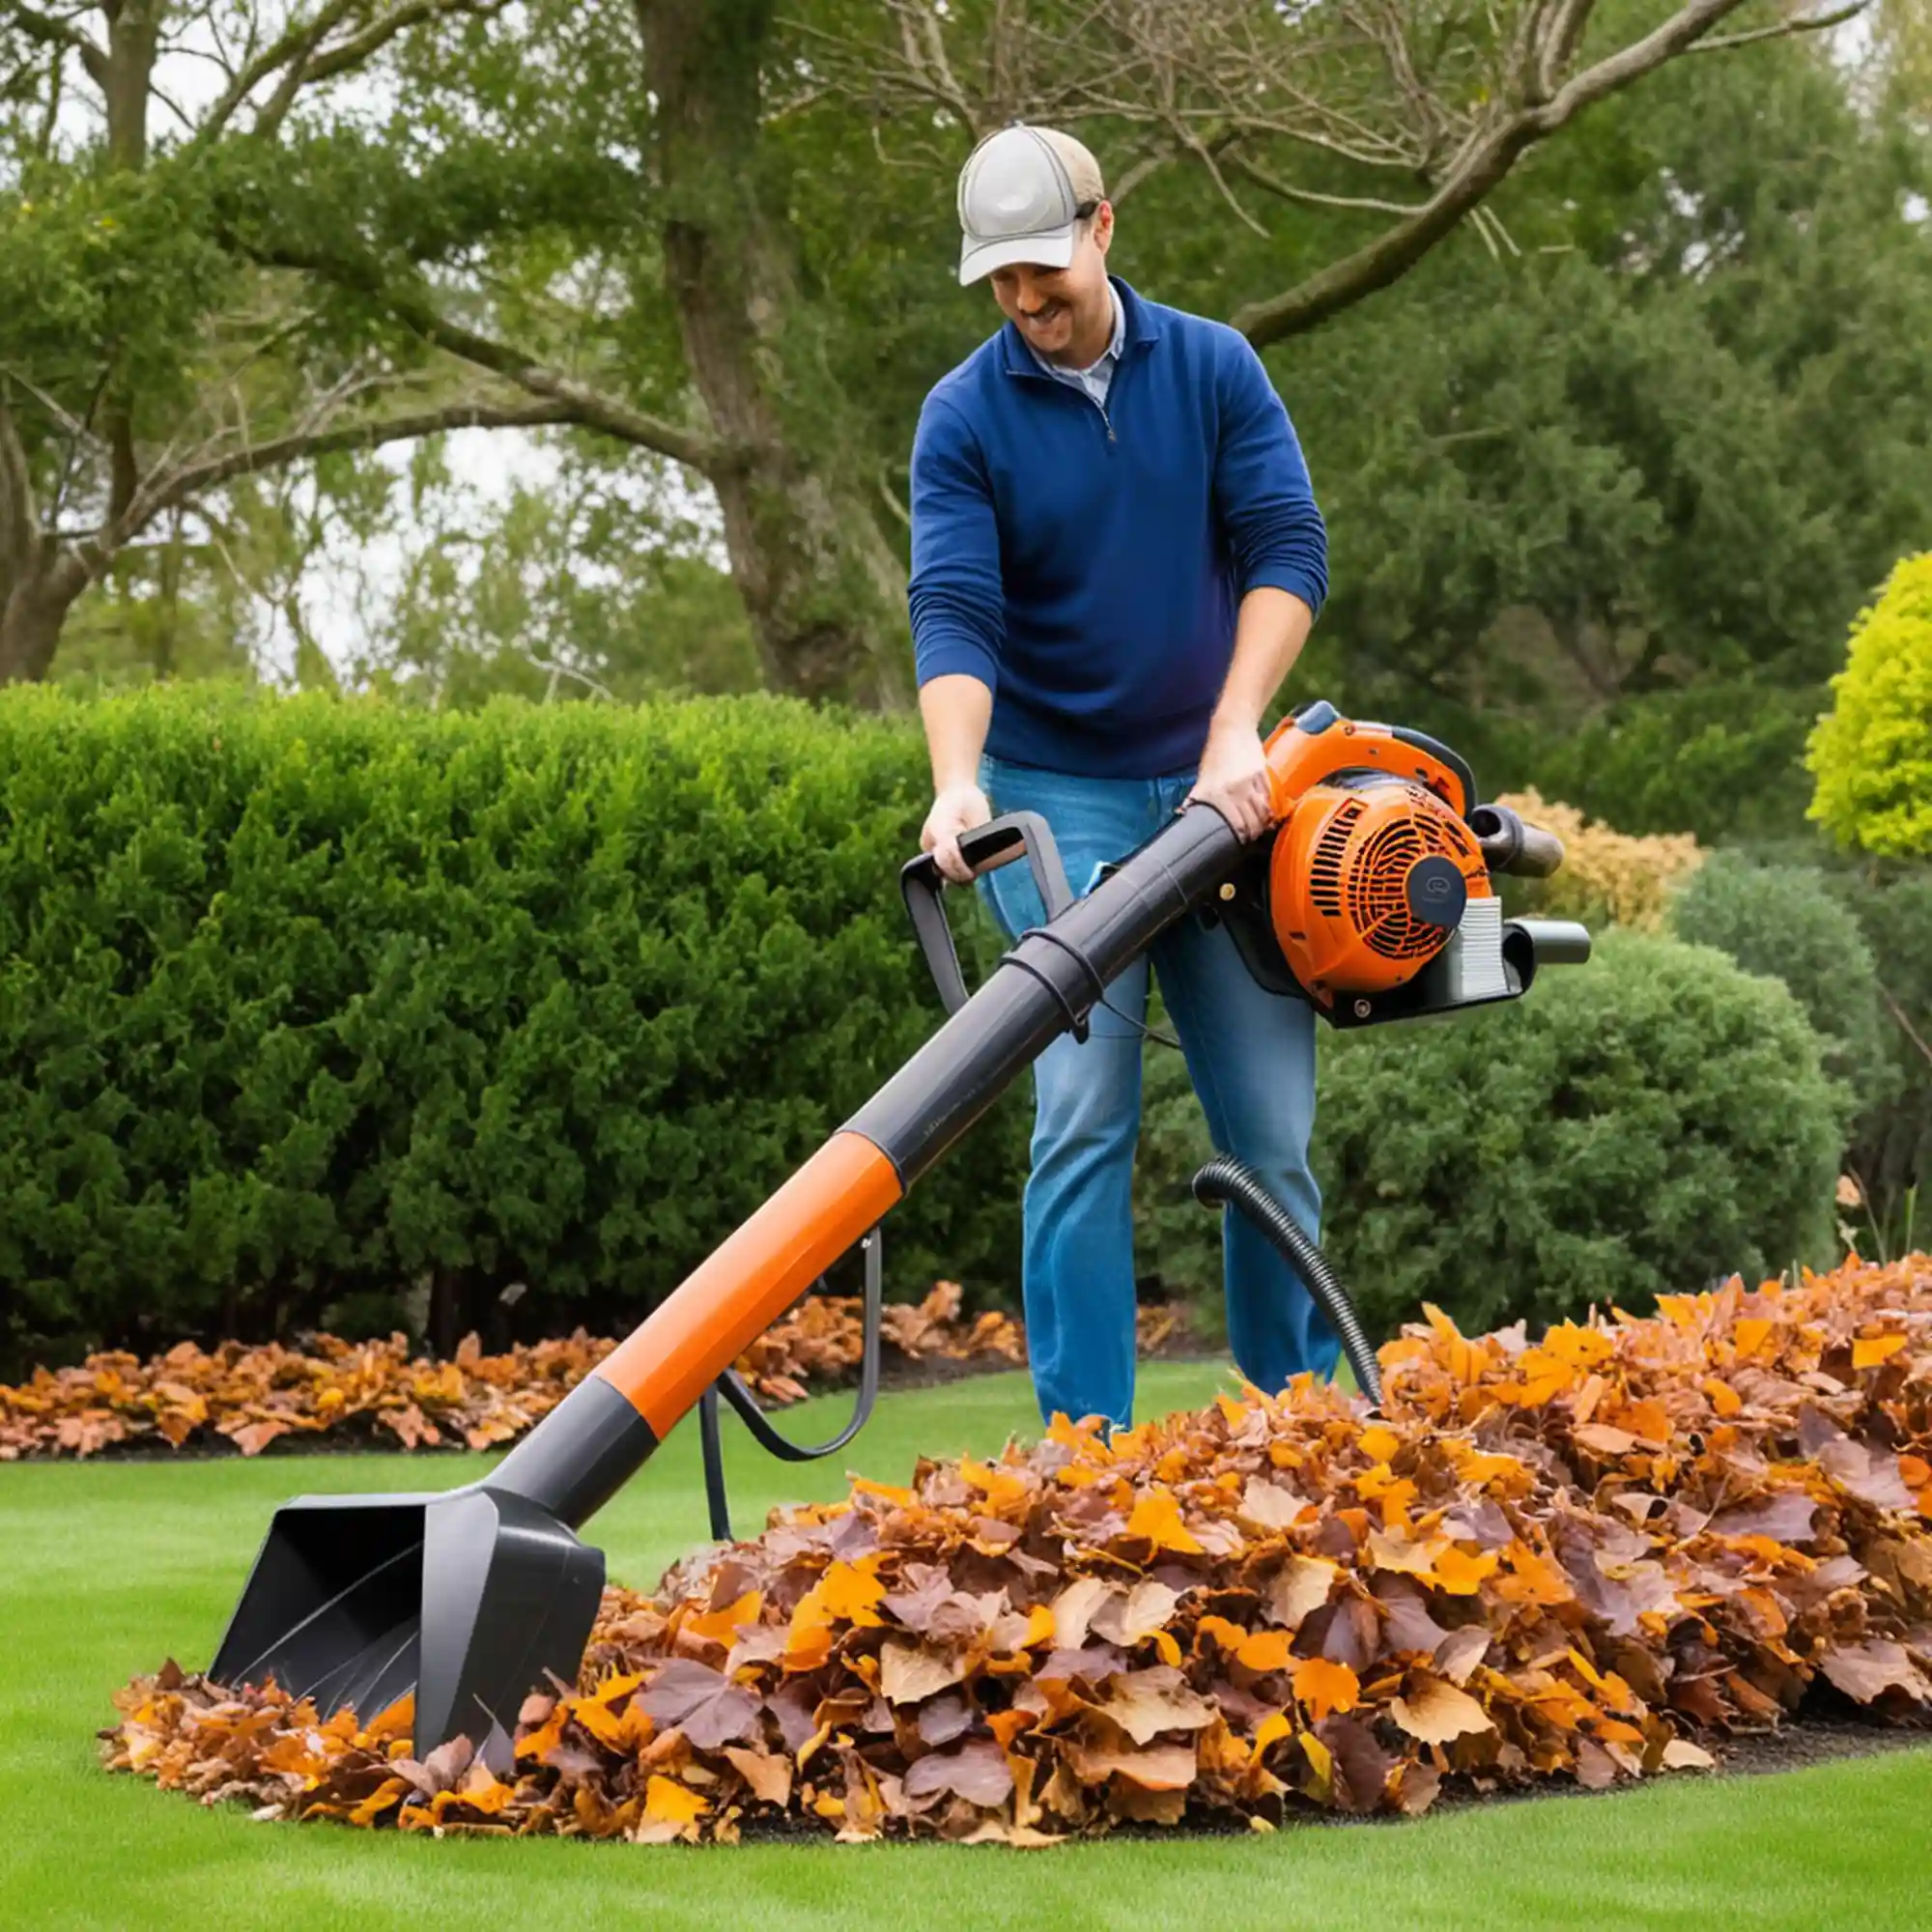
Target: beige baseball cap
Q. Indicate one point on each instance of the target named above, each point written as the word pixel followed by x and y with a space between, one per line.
pixel 1020 196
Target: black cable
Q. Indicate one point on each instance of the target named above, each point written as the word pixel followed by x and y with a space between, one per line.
pixel 731 1386
pixel 1141 1028
pixel 1079 1025
pixel 713 1450
pixel 1233 1182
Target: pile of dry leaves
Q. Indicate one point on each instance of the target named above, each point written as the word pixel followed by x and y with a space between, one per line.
pixel 378 1393
pixel 1555 1559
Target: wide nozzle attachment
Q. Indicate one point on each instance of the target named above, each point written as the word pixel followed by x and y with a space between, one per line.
pixel 467 1599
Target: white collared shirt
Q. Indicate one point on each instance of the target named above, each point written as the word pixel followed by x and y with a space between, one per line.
pixel 1096 379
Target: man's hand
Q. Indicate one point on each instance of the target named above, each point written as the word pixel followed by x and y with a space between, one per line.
pixel 957 809
pixel 1234 779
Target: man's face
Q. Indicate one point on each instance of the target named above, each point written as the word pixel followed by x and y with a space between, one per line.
pixel 1061 310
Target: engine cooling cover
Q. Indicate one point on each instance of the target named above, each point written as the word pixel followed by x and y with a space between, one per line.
pixel 1368 881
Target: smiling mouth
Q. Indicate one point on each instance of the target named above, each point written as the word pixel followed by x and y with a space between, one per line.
pixel 1046 318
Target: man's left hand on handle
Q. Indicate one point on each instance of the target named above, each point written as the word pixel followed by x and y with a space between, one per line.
pixel 1234 779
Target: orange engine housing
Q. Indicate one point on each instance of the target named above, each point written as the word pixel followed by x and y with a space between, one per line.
pixel 1362 883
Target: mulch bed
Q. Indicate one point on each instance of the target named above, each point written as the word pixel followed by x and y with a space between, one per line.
pixel 330 1394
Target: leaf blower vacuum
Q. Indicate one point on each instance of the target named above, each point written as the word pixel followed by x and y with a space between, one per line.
pixel 1372 898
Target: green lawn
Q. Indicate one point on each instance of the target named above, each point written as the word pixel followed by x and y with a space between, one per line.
pixel 110 1568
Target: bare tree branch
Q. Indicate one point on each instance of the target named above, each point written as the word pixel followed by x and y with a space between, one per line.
pixel 1483 162
pixel 164 491
pixel 587 404
pixel 1313 198
pixel 1814 25
pixel 49 32
pixel 297 54
pixel 1615 72
pixel 359 48
pixel 296 44
pixel 1910 1031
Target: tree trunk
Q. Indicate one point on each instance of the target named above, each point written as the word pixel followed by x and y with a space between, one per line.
pixel 33 607
pixel 824 588
pixel 133 36
pixel 29 635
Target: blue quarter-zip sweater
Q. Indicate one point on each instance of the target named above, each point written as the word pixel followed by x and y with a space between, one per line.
pixel 1087 564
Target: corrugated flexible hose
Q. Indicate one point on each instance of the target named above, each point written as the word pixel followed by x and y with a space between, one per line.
pixel 1227 1181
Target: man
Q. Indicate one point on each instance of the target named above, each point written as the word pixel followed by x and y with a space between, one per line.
pixel 1116 557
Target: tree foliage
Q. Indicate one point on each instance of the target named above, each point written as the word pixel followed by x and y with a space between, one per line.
pixel 1785 921
pixel 676 226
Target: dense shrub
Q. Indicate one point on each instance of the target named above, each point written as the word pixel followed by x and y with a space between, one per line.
pixel 1891 1148
pixel 1608 877
pixel 303 1001
pixel 1871 752
pixel 1785 921
pixel 1722 760
pixel 1641 1123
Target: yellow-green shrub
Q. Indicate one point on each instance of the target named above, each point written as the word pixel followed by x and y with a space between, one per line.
pixel 1871 753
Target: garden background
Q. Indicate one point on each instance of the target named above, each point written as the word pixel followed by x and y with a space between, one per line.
pixel 456 752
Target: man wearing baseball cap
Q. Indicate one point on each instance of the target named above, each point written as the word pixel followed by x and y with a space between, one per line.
pixel 1116 557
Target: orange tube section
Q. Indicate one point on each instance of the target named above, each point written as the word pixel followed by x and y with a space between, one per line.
pixel 732 1298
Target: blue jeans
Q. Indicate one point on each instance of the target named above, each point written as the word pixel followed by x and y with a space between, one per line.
pixel 1251 1056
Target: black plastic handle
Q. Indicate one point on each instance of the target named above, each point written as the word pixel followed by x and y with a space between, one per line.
pixel 996 843
pixel 1510 844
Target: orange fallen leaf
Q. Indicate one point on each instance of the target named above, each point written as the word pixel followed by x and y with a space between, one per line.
pixel 1157 1516
pixel 1869 1351
pixel 1325 1687
pixel 670 1802
pixel 1265 1650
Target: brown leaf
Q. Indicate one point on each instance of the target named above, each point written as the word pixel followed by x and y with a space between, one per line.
pixel 1867 1670
pixel 1679 1755
pixel 976 1771
pixel 1785 1517
pixel 945 1718
pixel 1074 1608
pixel 1435 1711
pixel 769 1775
pixel 1459 1653
pixel 1272 1505
pixel 1301 1585
pixel 1131 1618
pixel 909 1672
pixel 1360 1767
pixel 1871 1476
pixel 1157 1768
pixel 1144 1703
pixel 703 1703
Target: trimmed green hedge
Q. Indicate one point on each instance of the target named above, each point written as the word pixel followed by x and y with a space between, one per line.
pixel 306 1003
pixel 311 1008
pixel 1634 1125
